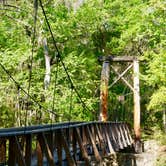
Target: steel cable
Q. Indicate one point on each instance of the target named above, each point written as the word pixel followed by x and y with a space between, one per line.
pixel 25 92
pixel 60 58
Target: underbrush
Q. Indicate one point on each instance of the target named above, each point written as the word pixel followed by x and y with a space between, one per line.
pixel 160 137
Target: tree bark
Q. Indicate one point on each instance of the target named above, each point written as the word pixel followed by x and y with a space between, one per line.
pixel 47 77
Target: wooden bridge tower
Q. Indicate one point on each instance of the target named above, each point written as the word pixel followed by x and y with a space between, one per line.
pixel 105 74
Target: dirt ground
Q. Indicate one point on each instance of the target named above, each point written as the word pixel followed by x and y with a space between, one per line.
pixel 153 155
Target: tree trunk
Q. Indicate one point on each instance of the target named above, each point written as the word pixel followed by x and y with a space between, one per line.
pixel 47 65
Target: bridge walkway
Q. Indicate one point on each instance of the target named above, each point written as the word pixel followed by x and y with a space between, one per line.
pixel 67 143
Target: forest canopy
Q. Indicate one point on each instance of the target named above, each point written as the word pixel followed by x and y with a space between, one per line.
pixel 42 92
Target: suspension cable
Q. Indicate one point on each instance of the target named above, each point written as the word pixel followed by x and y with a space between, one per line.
pixel 71 103
pixel 55 84
pixel 25 92
pixel 31 57
pixel 60 58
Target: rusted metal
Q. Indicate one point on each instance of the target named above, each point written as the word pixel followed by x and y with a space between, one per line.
pixel 135 88
pixel 104 91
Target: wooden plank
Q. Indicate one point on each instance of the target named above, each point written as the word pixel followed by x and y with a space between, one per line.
pixel 110 147
pixel 28 150
pixel 74 144
pixel 113 138
pixel 19 153
pixel 67 150
pixel 118 141
pixel 82 132
pixel 82 148
pixel 50 141
pixel 129 135
pixel 122 133
pixel 12 152
pixel 45 148
pixel 125 135
pixel 101 140
pixel 2 150
pixel 96 152
pixel 39 152
pixel 59 147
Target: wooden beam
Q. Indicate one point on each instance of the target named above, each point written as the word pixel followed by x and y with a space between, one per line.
pixel 19 153
pixel 117 58
pixel 137 111
pixel 93 143
pixel 120 75
pixel 123 79
pixel 2 150
pixel 105 74
pixel 39 153
pixel 82 148
pixel 110 147
pixel 45 148
pixel 12 151
pixel 136 101
pixel 100 138
pixel 28 150
pixel 66 147
pixel 59 146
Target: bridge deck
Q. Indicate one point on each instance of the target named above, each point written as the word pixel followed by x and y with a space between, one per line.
pixel 62 143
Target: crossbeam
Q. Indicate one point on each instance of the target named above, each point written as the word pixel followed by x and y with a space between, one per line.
pixel 120 76
pixel 111 58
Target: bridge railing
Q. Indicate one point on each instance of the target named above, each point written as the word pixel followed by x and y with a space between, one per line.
pixel 62 143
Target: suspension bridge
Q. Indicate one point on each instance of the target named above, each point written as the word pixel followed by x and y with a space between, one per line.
pixel 74 143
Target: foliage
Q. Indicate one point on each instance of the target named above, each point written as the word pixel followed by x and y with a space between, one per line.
pixel 94 28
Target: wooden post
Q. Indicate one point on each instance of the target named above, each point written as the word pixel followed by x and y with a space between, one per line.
pixel 105 74
pixel 2 151
pixel 137 114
